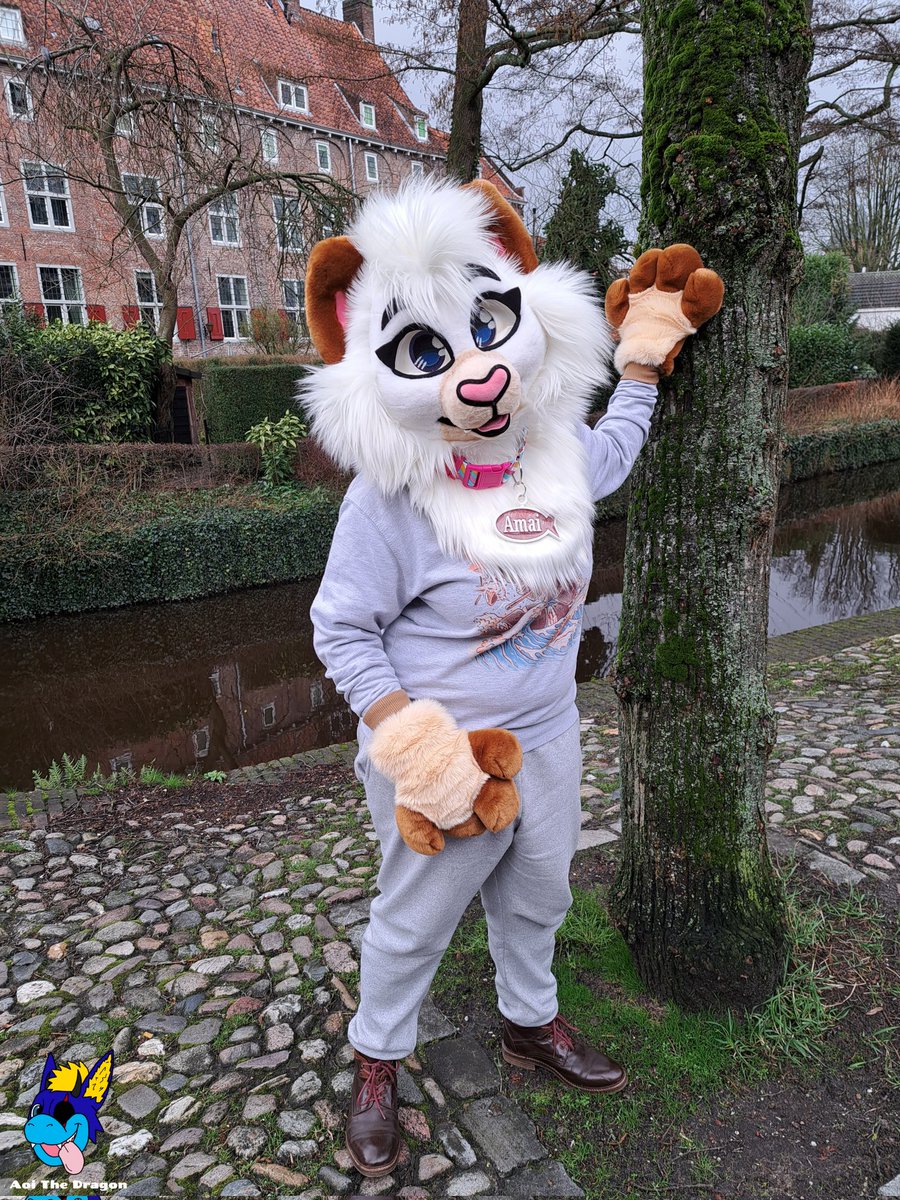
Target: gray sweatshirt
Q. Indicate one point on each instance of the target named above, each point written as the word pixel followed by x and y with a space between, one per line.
pixel 394 611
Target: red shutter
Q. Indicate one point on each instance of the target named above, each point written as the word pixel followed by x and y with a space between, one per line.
pixel 35 310
pixel 131 315
pixel 216 331
pixel 187 329
pixel 96 312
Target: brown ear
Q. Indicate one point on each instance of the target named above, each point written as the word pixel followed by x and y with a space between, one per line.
pixel 507 225
pixel 332 267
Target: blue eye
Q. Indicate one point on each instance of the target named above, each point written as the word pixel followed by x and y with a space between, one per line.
pixel 415 353
pixel 495 318
pixel 427 352
pixel 484 328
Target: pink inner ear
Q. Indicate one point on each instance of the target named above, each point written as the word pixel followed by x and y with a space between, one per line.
pixel 498 245
pixel 340 308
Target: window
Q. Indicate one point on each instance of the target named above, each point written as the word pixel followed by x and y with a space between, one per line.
pixel 11 24
pixel 421 127
pixel 235 306
pixel 417 169
pixel 288 223
pixel 4 219
pixel 148 301
pixel 224 223
pixel 9 284
pixel 47 191
pixel 371 161
pixel 293 95
pixel 62 295
pixel 18 100
pixel 294 305
pixel 367 115
pixel 323 157
pixel 126 125
pixel 269 140
pixel 142 192
pixel 208 133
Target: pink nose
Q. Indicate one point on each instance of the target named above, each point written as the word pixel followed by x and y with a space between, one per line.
pixel 484 391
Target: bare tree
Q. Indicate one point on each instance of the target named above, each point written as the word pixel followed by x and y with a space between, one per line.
pixel 159 132
pixel 855 207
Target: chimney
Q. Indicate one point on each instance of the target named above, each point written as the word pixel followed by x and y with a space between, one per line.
pixel 361 14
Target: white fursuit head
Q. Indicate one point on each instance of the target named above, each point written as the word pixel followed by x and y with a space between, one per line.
pixel 442 327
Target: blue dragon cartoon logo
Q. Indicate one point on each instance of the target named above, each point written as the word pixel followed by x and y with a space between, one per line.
pixel 63 1117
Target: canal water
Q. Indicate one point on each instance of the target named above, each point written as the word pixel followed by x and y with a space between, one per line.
pixel 233 680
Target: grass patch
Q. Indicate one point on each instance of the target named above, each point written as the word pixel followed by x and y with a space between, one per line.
pixel 679 1061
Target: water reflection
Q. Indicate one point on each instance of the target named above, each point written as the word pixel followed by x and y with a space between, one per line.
pixel 234 680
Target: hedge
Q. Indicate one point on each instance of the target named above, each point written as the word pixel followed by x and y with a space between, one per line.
pixel 234 398
pixel 825 353
pixel 177 556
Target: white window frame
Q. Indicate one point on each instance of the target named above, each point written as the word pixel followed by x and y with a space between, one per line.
pixel 209 134
pixel 151 309
pixel 63 303
pixel 272 134
pixel 225 209
pixel 285 224
pixel 420 128
pixel 48 172
pixel 126 125
pixel 323 170
pixel 4 215
pixel 294 304
pixel 364 105
pixel 153 228
pixel 15 298
pixel 417 169
pixel 8 84
pixel 370 161
pixel 11 27
pixel 232 309
pixel 294 88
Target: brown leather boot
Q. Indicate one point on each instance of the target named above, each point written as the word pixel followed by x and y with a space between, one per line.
pixel 372 1134
pixel 571 1060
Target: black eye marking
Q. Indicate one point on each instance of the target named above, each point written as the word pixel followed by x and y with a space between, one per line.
pixel 416 352
pixel 63 1111
pixel 477 272
pixel 391 311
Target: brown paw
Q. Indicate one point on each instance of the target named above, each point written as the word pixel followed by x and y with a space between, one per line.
pixel 497 751
pixel 497 804
pixel 418 832
pixel 471 827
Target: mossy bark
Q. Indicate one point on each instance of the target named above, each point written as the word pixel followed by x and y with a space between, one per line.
pixel 696 896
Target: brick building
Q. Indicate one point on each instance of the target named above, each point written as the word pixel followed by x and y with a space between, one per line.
pixel 319 98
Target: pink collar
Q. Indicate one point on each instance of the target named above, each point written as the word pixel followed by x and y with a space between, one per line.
pixel 480 476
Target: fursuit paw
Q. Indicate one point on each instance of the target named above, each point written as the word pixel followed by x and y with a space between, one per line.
pixel 496 751
pixel 497 804
pixel 471 827
pixel 419 833
pixel 665 299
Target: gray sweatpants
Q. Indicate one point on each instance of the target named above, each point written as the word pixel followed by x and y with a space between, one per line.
pixel 523 876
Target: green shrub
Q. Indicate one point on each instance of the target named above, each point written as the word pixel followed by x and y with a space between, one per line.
pixel 237 397
pixel 277 442
pixel 846 448
pixel 824 353
pixel 889 362
pixel 110 375
pixel 173 553
pixel 823 295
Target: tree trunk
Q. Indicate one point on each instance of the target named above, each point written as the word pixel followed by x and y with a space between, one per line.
pixel 464 150
pixel 696 897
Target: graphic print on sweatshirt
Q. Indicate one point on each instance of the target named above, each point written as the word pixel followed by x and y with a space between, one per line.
pixel 521 627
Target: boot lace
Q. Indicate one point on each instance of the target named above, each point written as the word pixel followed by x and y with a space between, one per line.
pixel 378 1079
pixel 560 1030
